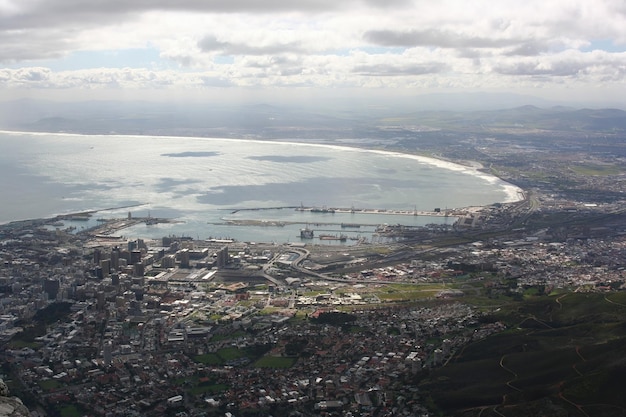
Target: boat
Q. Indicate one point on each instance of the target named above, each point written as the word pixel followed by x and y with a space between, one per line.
pixel 322 210
pixel 341 237
pixel 306 233
pixel 350 225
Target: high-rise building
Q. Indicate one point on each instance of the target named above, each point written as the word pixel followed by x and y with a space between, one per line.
pixel 222 257
pixel 115 259
pixel 184 258
pixel 105 264
pixel 97 256
pixel 107 353
pixel 135 257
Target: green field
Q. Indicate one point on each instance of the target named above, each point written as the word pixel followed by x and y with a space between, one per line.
pixel 208 359
pixel 595 170
pixel 49 384
pixel 222 355
pixel 275 362
pixel 70 411
pixel 19 344
pixel 408 292
pixel 231 353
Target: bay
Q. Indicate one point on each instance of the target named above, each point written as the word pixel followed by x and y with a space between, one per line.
pixel 203 182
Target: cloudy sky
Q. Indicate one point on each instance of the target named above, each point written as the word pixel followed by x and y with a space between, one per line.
pixel 555 49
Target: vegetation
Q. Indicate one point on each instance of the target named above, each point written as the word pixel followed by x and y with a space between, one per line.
pixel 561 354
pixel 408 292
pixel 49 384
pixel 53 313
pixel 275 362
pixel 335 318
pixel 70 411
pixel 595 170
pixel 233 355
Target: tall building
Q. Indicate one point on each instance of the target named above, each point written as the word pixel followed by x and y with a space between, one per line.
pixel 105 264
pixel 135 257
pixel 222 257
pixel 168 261
pixel 138 270
pixel 97 256
pixel 184 258
pixel 107 353
pixel 115 258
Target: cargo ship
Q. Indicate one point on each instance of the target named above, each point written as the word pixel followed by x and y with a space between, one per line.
pixel 341 237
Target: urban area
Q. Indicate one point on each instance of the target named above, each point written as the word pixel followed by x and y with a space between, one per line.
pixel 95 325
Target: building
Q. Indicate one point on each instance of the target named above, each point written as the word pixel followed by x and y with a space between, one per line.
pixel 107 353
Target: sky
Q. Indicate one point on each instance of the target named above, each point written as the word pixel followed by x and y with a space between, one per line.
pixel 565 50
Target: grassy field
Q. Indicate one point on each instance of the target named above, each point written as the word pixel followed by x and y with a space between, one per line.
pixel 275 362
pixel 70 411
pixel 19 344
pixel 208 359
pixel 49 384
pixel 409 292
pixel 595 170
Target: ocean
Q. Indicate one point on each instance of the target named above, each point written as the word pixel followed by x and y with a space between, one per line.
pixel 201 183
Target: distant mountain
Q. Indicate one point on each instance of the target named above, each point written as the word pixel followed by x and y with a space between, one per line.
pixel 336 119
pixel 524 117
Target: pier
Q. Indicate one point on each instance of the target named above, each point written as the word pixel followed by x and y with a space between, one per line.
pixel 352 210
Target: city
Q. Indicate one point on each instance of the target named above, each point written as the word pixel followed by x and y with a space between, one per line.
pixel 93 323
pixel 97 325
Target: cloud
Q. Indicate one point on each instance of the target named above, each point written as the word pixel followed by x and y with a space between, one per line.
pixel 250 44
pixel 212 44
pixel 25 77
pixel 529 49
pixel 38 13
pixel 433 38
pixel 590 67
pixel 392 70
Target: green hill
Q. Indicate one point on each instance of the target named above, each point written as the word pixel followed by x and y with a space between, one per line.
pixel 560 356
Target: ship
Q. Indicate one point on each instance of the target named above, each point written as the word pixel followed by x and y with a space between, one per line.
pixel 341 237
pixel 151 220
pixel 322 210
pixel 306 233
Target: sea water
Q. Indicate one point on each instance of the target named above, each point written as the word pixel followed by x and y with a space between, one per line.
pixel 201 183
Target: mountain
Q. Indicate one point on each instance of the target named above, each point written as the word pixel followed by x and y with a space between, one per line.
pixel 263 120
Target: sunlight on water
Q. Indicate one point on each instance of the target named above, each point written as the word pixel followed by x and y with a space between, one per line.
pixel 197 179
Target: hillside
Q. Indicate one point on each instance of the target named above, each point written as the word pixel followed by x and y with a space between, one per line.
pixel 562 355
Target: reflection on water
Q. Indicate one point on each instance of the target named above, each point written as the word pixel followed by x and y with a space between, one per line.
pixel 201 183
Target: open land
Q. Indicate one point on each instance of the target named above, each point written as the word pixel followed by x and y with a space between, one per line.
pixel 517 309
